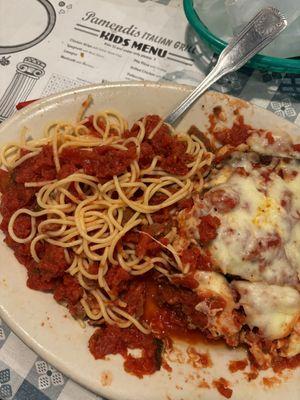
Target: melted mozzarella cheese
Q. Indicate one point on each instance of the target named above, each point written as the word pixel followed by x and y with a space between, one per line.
pixel 213 282
pixel 258 240
pixel 271 308
pixel 246 242
pixel 292 248
pixel 282 146
pixel 210 284
pixel 217 178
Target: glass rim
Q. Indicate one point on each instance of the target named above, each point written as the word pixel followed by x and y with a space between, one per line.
pixel 259 61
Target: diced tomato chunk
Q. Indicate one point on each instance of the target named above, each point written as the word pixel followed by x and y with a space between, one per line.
pixel 208 228
pixel 223 201
pixel 236 135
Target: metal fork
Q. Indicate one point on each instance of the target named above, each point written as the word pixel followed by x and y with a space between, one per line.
pixel 256 35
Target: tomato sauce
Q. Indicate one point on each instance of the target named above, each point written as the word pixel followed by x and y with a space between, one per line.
pixel 193 130
pixel 170 310
pixel 208 228
pixel 270 138
pixel 114 340
pixel 197 359
pixel 5 179
pixel 135 297
pixel 146 156
pixel 171 151
pixel 22 226
pixel 16 196
pixel 68 290
pixel 38 168
pixel 117 279
pixel 197 259
pixel 103 161
pixel 46 274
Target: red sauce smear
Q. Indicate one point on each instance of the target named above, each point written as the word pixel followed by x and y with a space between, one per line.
pixel 296 147
pixel 271 382
pixel 222 385
pixel 270 138
pixel 23 104
pixel 169 310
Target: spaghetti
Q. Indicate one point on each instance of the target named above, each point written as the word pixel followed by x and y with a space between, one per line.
pixel 97 196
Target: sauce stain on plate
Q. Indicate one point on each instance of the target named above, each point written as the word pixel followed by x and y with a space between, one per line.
pixel 106 378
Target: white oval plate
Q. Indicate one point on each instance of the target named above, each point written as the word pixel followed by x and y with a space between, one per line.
pixel 47 328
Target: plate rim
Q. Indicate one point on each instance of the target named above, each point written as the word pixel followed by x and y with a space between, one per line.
pixel 42 102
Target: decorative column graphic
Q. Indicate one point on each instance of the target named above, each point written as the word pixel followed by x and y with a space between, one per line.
pixel 28 72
